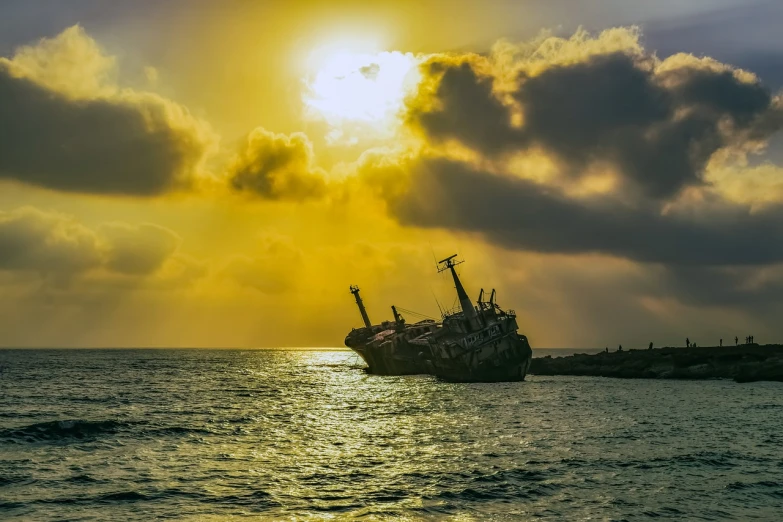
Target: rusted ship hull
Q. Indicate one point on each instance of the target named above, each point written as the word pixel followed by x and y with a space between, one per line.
pixel 508 364
pixel 501 360
pixel 509 371
pixel 505 361
pixel 515 373
pixel 387 350
pixel 385 364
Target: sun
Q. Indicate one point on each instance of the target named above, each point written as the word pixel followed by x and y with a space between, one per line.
pixel 357 93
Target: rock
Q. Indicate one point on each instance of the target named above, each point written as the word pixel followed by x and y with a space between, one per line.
pixel 747 363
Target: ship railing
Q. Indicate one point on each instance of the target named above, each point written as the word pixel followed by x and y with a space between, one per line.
pixel 452 311
pixel 504 313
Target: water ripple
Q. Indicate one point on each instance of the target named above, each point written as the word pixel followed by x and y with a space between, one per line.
pixel 270 435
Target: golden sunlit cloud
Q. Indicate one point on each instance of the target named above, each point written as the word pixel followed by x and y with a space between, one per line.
pixel 367 91
pixel 68 126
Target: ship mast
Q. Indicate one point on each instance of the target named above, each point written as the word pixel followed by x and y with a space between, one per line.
pixel 464 300
pixel 360 304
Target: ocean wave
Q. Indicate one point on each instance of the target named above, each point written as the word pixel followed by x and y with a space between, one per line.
pixel 765 487
pixel 391 496
pixel 62 429
pixel 14 479
pixel 256 498
pixel 512 475
pixel 103 498
pixel 762 484
pixel 708 459
pixel 92 399
pixel 473 494
pixel 179 430
pixel 123 496
pixel 82 479
pixel 488 487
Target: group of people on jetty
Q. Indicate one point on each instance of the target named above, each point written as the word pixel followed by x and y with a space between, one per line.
pixel 748 340
pixel 689 344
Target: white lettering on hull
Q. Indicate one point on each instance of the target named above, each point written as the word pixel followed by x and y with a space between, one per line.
pixel 482 336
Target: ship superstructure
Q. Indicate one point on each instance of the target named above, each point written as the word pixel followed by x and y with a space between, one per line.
pixel 473 343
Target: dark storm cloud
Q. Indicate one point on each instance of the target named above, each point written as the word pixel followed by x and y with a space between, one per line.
pixel 31 240
pixel 134 144
pixel 469 111
pixel 56 245
pixel 520 214
pixel 658 126
pixel 276 167
pixel 726 286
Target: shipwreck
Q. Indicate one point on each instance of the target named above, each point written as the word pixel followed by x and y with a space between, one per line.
pixel 474 343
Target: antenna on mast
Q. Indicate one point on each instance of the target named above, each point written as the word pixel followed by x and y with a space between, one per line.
pixel 448 263
pixel 440 308
pixel 435 259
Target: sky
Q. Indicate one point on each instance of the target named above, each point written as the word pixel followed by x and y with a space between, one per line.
pixel 216 174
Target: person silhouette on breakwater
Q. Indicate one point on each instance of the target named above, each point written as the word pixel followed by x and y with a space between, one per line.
pixel 620 349
pixel 687 343
pixel 721 342
pixel 650 347
pixel 736 341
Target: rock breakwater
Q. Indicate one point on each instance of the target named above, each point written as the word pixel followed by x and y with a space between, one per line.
pixel 746 363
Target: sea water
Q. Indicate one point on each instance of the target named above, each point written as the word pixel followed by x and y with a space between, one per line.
pixel 290 435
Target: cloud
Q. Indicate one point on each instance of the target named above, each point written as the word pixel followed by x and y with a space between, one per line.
pixel 32 240
pixel 275 268
pixel 58 246
pixel 525 215
pixel 745 287
pixel 71 64
pixel 137 249
pixel 370 71
pixel 590 146
pixel 65 125
pixel 276 167
pixel 758 186
pixel 655 123
pixel 608 301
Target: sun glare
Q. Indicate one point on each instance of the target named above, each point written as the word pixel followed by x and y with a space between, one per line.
pixel 358 92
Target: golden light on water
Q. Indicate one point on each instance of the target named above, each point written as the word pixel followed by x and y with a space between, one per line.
pixel 368 89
